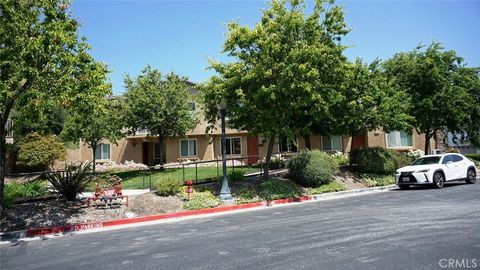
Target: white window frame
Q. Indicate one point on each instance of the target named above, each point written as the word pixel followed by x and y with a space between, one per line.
pixel 400 140
pixel 100 149
pixel 188 147
pixel 230 145
pixel 331 146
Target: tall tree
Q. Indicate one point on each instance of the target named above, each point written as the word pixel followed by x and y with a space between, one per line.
pixel 39 52
pixel 159 104
pixel 433 78
pixel 285 71
pixel 47 117
pixel 368 102
pixel 470 79
pixel 96 117
pixel 98 121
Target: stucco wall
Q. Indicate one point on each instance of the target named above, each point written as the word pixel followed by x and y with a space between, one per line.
pixel 378 138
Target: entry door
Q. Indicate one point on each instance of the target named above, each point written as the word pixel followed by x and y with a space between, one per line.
pixel 358 141
pixel 252 149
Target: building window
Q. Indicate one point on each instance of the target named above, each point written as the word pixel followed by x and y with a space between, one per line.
pixel 234 146
pixel 286 145
pixel 188 148
pixel 399 139
pixel 157 153
pixel 332 143
pixel 102 151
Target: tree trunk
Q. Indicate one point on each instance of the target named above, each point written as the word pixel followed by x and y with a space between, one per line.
pixel 160 147
pixel 3 155
pixel 268 157
pixel 350 160
pixel 307 141
pixel 94 149
pixel 427 142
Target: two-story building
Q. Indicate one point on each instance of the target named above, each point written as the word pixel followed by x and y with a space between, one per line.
pixel 199 145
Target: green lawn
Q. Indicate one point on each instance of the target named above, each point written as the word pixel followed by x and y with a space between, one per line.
pixel 140 180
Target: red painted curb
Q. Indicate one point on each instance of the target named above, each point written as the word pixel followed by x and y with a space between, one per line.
pixel 99 224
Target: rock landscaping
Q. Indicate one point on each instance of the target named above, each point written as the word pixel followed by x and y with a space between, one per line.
pixel 54 212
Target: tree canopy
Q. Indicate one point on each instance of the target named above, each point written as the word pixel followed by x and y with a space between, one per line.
pixel 441 88
pixel 37 150
pixel 42 57
pixel 160 104
pixel 96 117
pixel 285 70
pixel 102 122
pixel 369 101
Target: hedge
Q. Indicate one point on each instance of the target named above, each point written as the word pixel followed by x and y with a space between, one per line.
pixel 378 160
pixel 311 168
pixel 473 156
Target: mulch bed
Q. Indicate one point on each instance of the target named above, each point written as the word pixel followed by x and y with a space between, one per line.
pixel 56 212
pixel 60 212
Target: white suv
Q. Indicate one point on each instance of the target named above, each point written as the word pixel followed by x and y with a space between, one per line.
pixel 436 170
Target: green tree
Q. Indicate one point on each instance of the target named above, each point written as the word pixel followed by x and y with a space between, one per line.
pixel 433 78
pixel 92 126
pixel 37 150
pixel 284 73
pixel 48 117
pixel 159 104
pixel 369 101
pixel 97 116
pixel 39 52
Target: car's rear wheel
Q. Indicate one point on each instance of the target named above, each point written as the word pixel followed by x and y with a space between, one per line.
pixel 438 180
pixel 471 176
pixel 404 186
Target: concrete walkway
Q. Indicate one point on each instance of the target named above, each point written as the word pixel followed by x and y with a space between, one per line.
pixel 127 192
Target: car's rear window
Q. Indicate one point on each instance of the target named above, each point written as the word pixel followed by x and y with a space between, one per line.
pixel 426 161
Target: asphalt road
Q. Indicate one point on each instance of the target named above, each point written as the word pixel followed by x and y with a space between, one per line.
pixel 415 229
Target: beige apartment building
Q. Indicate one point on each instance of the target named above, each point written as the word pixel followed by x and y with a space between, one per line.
pixel 200 145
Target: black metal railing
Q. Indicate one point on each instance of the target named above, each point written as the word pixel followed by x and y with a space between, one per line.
pixel 198 171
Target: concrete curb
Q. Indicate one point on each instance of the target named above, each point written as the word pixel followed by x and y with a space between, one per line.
pixel 9 237
pixel 350 193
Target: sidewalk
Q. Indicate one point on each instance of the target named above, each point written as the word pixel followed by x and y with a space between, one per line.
pixel 126 192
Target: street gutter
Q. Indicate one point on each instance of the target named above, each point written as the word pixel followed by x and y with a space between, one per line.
pixel 90 227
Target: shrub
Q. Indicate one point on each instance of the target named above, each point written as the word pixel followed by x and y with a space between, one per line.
pixel 19 190
pixel 112 166
pixel 236 176
pixel 168 186
pixel 277 163
pixel 372 180
pixel 340 158
pixel 378 160
pixel 106 179
pixel 273 189
pixel 414 154
pixel 36 150
pixel 246 195
pixel 473 156
pixel 330 187
pixel 72 181
pixel 312 168
pixel 202 200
